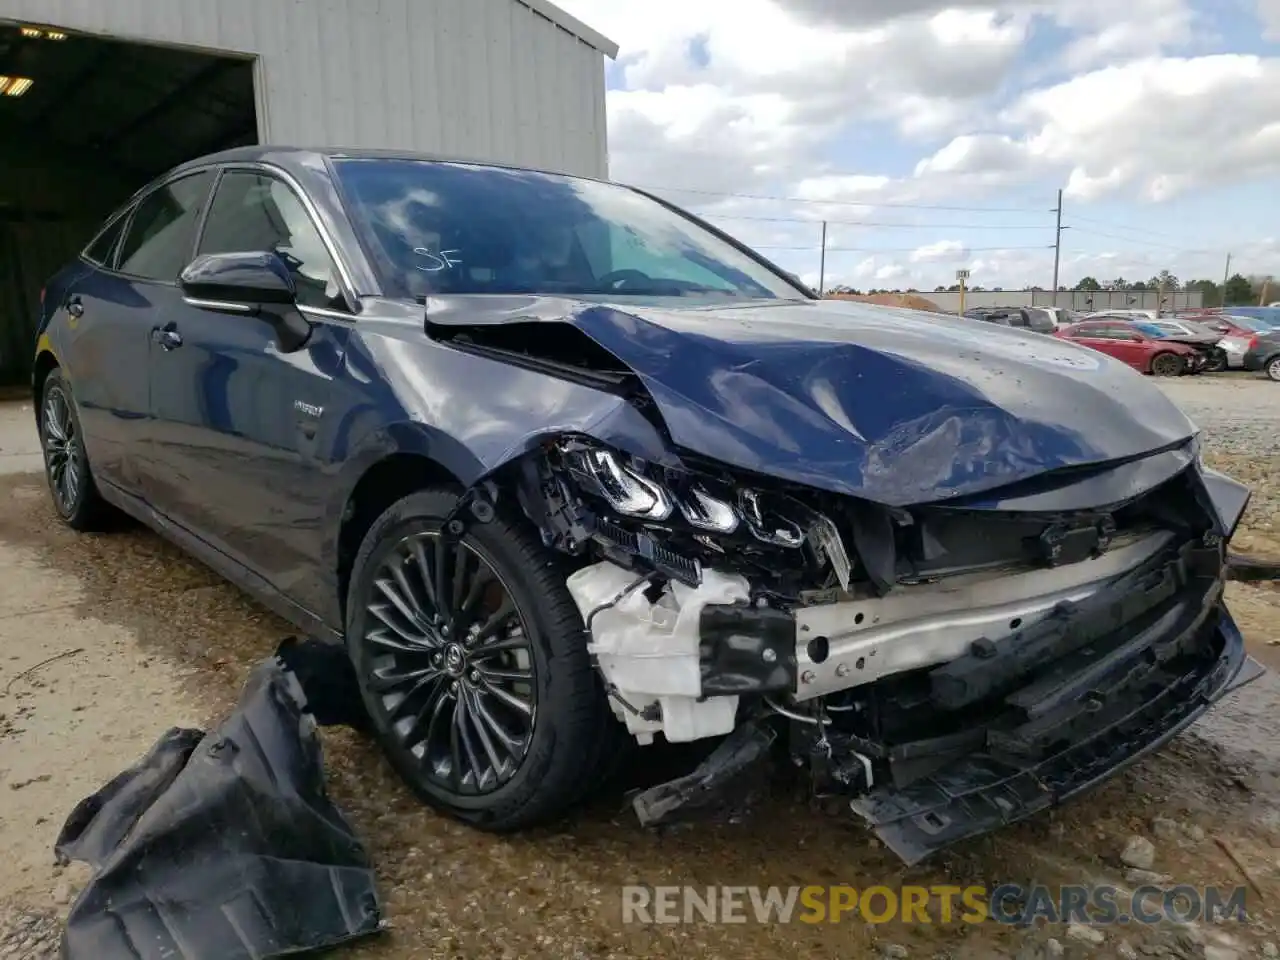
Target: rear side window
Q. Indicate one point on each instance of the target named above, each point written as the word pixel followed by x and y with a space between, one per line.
pixel 162 229
pixel 255 213
pixel 1040 321
pixel 102 250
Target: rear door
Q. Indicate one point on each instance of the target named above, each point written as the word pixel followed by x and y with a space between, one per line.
pixel 111 310
pixel 240 433
pixel 1128 345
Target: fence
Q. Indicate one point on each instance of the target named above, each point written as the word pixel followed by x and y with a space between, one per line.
pixel 1079 300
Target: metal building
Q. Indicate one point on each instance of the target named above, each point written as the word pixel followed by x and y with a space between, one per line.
pixel 99 96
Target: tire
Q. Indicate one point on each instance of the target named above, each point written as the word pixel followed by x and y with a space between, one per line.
pixel 1168 365
pixel 1273 368
pixel 411 691
pixel 66 464
pixel 1217 362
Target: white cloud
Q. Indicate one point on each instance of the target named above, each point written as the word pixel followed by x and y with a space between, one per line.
pixel 885 103
pixel 1154 128
pixel 943 251
pixel 1160 126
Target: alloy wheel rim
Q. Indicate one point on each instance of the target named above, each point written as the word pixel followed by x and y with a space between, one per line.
pixel 1273 369
pixel 451 663
pixel 63 460
pixel 1165 366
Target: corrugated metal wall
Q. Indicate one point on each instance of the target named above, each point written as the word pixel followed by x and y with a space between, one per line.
pixel 490 79
pixel 485 79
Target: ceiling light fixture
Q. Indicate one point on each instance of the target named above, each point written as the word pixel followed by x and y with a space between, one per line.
pixel 36 33
pixel 15 86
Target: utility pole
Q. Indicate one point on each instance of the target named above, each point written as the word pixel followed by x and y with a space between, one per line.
pixel 1057 250
pixel 1226 275
pixel 822 264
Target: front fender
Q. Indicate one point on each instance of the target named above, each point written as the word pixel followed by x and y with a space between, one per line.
pixel 469 415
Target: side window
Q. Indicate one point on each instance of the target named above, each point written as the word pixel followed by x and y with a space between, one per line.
pixel 253 213
pixel 102 250
pixel 162 229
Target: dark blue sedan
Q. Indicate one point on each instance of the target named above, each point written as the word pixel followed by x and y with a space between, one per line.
pixel 567 469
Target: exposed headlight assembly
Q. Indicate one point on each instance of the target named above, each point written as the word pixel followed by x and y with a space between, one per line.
pixel 707 513
pixel 627 491
pixel 775 519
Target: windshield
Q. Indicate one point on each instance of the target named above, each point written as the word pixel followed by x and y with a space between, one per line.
pixel 440 228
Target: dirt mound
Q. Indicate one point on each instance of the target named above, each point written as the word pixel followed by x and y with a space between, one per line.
pixel 908 300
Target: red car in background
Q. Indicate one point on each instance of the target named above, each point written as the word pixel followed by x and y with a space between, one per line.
pixel 1140 347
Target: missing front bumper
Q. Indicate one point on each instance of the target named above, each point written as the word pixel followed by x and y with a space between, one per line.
pixel 990 789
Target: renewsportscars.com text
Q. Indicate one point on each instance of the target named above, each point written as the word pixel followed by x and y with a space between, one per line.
pixel 1008 903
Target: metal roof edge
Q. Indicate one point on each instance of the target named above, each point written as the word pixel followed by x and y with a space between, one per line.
pixel 575 26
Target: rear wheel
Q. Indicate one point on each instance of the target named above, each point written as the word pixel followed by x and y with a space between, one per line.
pixel 1273 369
pixel 472 662
pixel 1168 365
pixel 66 465
pixel 1217 361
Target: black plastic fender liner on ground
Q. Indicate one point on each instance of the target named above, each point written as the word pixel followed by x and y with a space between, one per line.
pixel 222 846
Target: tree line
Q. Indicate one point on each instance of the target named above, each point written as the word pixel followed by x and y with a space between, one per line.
pixel 1240 290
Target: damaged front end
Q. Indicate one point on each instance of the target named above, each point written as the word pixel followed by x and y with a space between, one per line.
pixel 948 667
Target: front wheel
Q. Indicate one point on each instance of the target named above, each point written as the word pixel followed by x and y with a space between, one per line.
pixel 66 465
pixel 472 662
pixel 1273 369
pixel 1168 365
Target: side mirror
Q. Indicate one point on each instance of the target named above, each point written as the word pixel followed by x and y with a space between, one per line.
pixel 253 284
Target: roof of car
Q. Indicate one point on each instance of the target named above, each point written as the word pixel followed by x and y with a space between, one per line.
pixel 287 155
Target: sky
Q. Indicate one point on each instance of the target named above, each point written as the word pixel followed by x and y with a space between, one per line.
pixel 934 135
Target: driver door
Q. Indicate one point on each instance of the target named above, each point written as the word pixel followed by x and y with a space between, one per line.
pixel 241 442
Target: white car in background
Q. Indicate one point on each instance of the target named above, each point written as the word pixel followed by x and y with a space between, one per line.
pixel 1062 317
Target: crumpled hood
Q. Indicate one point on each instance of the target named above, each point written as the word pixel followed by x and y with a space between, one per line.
pixel 896 406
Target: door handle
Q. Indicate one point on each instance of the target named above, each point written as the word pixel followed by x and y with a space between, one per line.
pixel 75 306
pixel 167 337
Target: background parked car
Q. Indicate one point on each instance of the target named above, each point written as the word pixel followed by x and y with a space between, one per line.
pixel 1263 353
pixel 1126 314
pixel 1202 338
pixel 1028 318
pixel 1237 332
pixel 1270 315
pixel 1139 345
pixel 1061 316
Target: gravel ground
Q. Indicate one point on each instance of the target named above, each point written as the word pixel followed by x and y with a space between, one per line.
pixel 162 641
pixel 1239 413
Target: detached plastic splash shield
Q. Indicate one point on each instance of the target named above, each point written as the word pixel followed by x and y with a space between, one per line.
pixel 222 846
pixel 978 795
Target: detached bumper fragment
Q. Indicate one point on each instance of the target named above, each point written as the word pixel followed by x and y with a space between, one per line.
pixel 1139 695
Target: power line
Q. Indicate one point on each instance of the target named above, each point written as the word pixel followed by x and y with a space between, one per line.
pixel 836 203
pixel 1141 243
pixel 1122 227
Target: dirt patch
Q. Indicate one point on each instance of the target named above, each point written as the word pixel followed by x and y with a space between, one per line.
pixel 908 300
pixel 79 699
pixel 454 892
